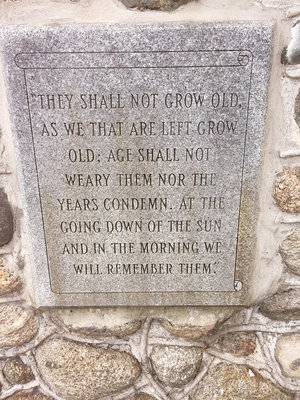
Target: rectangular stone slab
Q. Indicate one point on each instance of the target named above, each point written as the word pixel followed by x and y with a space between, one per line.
pixel 139 152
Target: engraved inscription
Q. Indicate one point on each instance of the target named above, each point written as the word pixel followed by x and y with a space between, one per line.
pixel 144 195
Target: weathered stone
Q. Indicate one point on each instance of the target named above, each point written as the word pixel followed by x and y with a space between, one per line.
pixel 283 306
pixel 187 331
pixel 297 109
pixel 80 371
pixel 17 325
pixel 288 355
pixel 141 396
pixel 8 282
pixel 29 395
pixel 240 344
pixel 287 189
pixel 6 219
pixel 16 371
pixel 193 324
pixel 237 382
pixel 161 5
pixel 119 331
pixel 290 251
pixel 176 365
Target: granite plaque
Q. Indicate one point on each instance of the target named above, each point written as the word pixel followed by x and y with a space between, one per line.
pixel 139 151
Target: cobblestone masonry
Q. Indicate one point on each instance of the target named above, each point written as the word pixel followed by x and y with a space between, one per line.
pixel 138 354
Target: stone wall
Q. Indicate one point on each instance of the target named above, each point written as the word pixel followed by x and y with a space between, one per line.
pixel 176 353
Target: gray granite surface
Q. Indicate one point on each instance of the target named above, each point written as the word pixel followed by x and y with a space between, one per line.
pixel 139 151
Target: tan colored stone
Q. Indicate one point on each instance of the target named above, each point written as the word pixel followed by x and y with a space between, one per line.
pixel 17 325
pixel 141 396
pixel 8 282
pixel 29 395
pixel 176 365
pixel 290 252
pixel 17 372
pixel 161 5
pixel 80 371
pixel 187 331
pixel 283 306
pixel 288 355
pixel 119 331
pixel 240 344
pixel 237 382
pixel 287 189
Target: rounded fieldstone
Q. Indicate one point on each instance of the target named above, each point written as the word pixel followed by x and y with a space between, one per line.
pixel 290 252
pixel 287 190
pixel 176 365
pixel 17 372
pixel 8 282
pixel 17 325
pixel 288 355
pixel 237 382
pixel 160 5
pixel 284 306
pixel 6 219
pixel 141 396
pixel 29 395
pixel 193 324
pixel 119 331
pixel 240 344
pixel 186 331
pixel 80 371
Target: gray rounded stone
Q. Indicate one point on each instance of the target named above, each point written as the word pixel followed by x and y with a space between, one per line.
pixel 290 252
pixel 78 371
pixel 237 382
pixel 284 306
pixel 6 219
pixel 160 5
pixel 288 355
pixel 176 365
pixel 17 325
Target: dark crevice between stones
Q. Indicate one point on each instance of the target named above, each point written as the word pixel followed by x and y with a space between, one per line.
pixel 297 109
pixel 283 57
pixel 6 219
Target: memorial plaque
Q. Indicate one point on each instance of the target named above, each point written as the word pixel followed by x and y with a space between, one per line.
pixel 139 152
